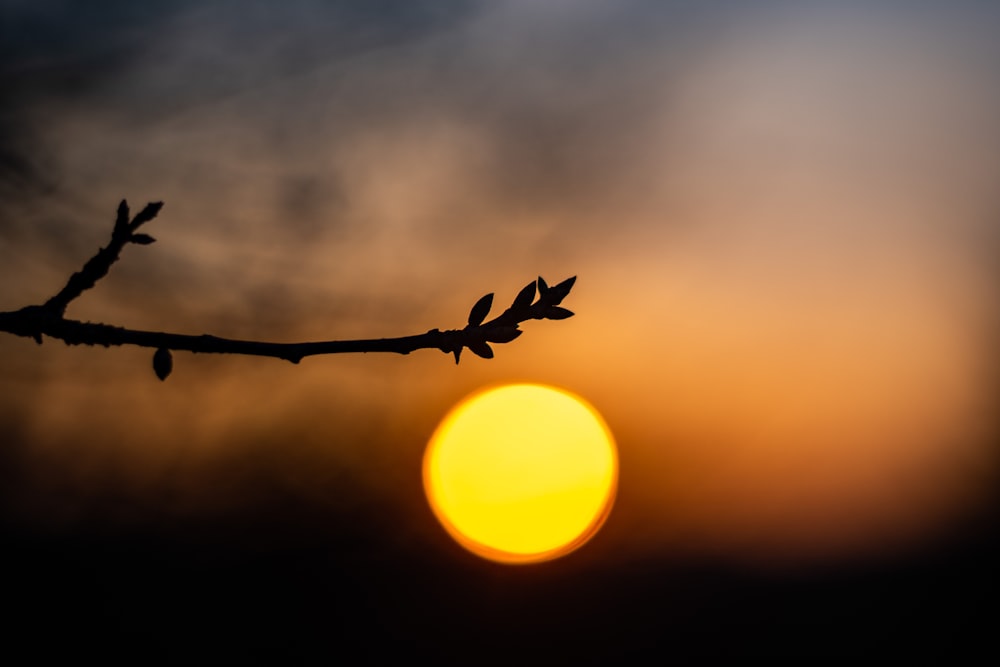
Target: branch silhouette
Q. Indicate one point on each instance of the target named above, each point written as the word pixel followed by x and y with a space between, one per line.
pixel 48 318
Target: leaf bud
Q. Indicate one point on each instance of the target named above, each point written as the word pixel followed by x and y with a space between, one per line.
pixel 163 363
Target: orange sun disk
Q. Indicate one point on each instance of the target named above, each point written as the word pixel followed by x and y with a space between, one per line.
pixel 521 473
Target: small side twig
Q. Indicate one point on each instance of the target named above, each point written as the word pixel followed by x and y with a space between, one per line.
pixel 98 266
pixel 48 319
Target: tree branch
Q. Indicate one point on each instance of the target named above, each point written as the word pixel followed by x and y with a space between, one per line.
pixel 48 319
pixel 99 265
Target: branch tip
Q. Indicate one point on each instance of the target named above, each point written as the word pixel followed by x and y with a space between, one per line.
pixel 121 220
pixel 150 211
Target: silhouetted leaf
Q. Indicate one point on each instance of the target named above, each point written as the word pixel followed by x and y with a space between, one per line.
pixel 480 348
pixel 480 310
pixel 142 239
pixel 543 288
pixel 148 213
pixel 559 292
pixel 121 221
pixel 163 363
pixel 502 334
pixel 524 297
pixel 557 313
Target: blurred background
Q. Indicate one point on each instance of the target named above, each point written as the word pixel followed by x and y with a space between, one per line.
pixel 783 217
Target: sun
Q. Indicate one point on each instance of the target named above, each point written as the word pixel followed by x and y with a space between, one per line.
pixel 521 473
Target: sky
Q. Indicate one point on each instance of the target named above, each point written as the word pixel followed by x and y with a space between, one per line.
pixel 783 219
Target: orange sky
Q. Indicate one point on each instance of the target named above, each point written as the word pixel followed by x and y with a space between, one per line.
pixel 781 229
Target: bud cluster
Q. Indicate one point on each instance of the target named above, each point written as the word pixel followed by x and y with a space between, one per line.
pixel 477 335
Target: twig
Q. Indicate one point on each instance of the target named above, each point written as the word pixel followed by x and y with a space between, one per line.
pixel 48 320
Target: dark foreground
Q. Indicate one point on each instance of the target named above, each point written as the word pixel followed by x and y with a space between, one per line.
pixel 285 582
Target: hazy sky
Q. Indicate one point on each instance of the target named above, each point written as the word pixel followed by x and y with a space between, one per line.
pixel 782 215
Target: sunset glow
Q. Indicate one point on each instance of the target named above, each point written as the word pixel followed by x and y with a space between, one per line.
pixel 770 428
pixel 521 473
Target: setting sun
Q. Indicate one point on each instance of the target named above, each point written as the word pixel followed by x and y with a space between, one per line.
pixel 521 473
